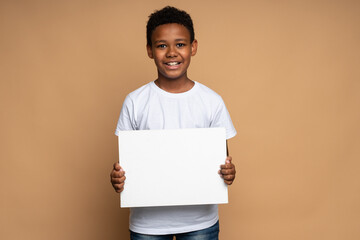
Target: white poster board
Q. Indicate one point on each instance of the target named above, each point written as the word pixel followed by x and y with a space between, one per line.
pixel 172 167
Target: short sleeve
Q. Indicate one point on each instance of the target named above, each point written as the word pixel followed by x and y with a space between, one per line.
pixel 222 119
pixel 126 120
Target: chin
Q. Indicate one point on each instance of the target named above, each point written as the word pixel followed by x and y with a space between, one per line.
pixel 173 77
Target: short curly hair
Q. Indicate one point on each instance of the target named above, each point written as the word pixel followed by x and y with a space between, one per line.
pixel 169 15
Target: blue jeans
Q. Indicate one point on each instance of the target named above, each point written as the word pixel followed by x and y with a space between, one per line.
pixel 211 233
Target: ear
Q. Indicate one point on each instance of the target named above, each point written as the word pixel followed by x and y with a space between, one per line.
pixel 194 46
pixel 149 51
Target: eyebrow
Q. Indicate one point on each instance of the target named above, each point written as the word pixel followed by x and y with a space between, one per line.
pixel 176 40
pixel 160 41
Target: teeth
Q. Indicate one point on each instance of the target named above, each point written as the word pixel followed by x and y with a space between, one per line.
pixel 172 63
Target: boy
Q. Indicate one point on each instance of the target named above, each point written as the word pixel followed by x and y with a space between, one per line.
pixel 173 101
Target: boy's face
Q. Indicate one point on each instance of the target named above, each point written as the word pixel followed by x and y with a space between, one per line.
pixel 171 50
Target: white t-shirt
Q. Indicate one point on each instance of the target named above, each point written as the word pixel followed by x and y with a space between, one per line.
pixel 150 107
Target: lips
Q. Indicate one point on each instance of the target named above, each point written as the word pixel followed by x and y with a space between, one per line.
pixel 172 63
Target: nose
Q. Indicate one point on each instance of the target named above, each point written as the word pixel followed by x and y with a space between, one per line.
pixel 171 52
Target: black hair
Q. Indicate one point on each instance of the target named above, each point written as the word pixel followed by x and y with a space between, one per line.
pixel 169 15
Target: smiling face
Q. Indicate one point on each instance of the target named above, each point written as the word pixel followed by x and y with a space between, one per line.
pixel 171 50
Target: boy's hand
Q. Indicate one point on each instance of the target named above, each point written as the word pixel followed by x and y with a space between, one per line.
pixel 227 171
pixel 117 178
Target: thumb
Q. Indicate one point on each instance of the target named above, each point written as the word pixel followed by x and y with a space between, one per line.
pixel 117 166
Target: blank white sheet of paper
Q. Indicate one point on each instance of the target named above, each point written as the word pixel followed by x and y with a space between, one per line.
pixel 172 167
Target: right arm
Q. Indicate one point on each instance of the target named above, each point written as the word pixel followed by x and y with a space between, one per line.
pixel 117 174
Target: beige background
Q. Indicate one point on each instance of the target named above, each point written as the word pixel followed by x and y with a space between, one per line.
pixel 289 72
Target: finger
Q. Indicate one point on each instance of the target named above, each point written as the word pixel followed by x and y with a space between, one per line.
pixel 117 174
pixel 228 182
pixel 118 180
pixel 119 187
pixel 228 169
pixel 117 166
pixel 229 177
pixel 228 159
pixel 227 173
pixel 228 164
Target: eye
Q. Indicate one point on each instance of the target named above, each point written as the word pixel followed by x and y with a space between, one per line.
pixel 180 45
pixel 161 46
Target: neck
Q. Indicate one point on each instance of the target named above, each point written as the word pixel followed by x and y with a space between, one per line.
pixel 175 85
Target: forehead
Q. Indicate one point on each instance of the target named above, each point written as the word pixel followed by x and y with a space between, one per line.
pixel 169 32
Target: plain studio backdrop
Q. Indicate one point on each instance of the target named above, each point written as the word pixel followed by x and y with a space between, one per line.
pixel 288 71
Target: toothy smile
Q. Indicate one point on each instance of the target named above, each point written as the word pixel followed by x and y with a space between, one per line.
pixel 172 63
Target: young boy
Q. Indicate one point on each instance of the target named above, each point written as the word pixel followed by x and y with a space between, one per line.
pixel 173 101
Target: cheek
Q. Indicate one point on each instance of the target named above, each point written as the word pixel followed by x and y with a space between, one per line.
pixel 157 61
pixel 188 53
pixel 158 56
pixel 158 64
